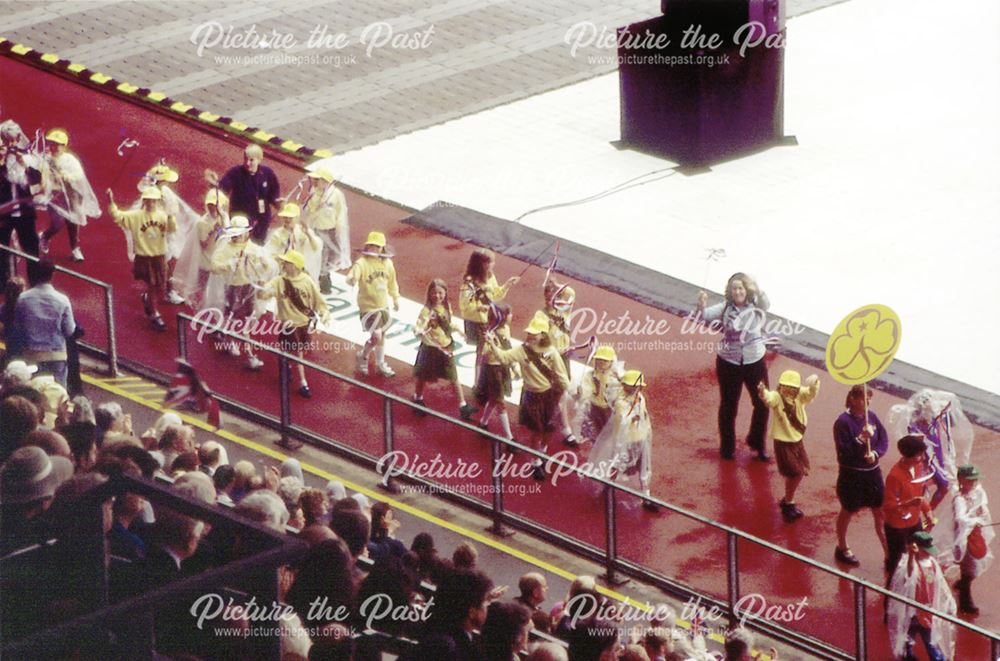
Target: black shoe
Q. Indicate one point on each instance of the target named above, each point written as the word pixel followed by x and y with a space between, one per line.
pixel 485 426
pixel 650 506
pixel 159 324
pixel 762 456
pixel 538 472
pixel 304 391
pixel 789 512
pixel 728 456
pixel 325 286
pixel 417 411
pixel 847 557
pixel 571 441
pixel 466 411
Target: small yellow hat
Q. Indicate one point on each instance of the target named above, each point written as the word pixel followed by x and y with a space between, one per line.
pixel 791 379
pixel 164 173
pixel 289 210
pixel 633 378
pixel 539 324
pixel 216 197
pixel 375 239
pixel 605 352
pixel 294 257
pixel 58 136
pixel 321 173
pixel 151 193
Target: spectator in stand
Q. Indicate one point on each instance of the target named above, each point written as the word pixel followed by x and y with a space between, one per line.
pixel 739 645
pixel 548 652
pixel 428 564
pixel 595 640
pixel 506 630
pixel 11 292
pixel 79 425
pixel 582 590
pixel 28 481
pixel 290 490
pixel 264 507
pixel 84 449
pixel 465 556
pixel 110 418
pixel 53 443
pixel 18 418
pixel 324 586
pixel 43 320
pixel 656 642
pixel 225 481
pixel 354 528
pixel 122 542
pixel 245 474
pixel 315 510
pixel 395 581
pixel 176 440
pixel 185 462
pixel 634 653
pixel 740 362
pixel 210 457
pixel 383 543
pixel 461 602
pixel 335 491
pixel 253 191
pixel 534 590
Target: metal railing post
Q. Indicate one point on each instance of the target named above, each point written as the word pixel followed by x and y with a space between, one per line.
pixel 611 556
pixel 497 528
pixel 387 425
pixel 995 649
pixel 284 377
pixel 860 632
pixel 182 348
pixel 109 316
pixel 732 576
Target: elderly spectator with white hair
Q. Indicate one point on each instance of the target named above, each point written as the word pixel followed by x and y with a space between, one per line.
pixel 110 418
pixel 253 191
pixel 264 507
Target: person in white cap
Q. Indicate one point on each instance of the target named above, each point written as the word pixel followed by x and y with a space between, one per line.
pixel 211 225
pixel 326 214
pixel 375 276
pixel 18 373
pixel 149 228
pixel 300 308
pixel 545 381
pixel 183 252
pixel 245 267
pixel 73 199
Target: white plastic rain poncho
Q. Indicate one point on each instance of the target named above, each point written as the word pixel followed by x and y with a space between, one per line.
pixel 905 580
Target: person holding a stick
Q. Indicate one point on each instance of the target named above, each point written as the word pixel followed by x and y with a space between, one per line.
pixel 861 441
pixel 325 212
pixel 21 185
pixel 73 200
pixel 150 228
pixel 479 293
pixel 740 362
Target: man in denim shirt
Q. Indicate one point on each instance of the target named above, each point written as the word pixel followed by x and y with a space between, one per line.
pixel 43 319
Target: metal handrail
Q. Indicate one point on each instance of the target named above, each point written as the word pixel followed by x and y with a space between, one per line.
pixel 612 563
pixel 111 353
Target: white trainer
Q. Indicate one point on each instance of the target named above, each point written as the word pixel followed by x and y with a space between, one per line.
pixel 385 370
pixel 174 298
pixel 77 255
pixel 254 363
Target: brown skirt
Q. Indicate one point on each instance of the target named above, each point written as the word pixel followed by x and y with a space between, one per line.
pixel 295 340
pixel 151 270
pixel 539 410
pixel 792 459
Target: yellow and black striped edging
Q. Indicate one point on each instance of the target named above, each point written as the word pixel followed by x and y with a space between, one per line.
pixel 109 84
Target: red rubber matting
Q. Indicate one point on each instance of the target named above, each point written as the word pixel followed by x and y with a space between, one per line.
pixel 682 389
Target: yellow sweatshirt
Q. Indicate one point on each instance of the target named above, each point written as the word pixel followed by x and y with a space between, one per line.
pixel 559 337
pixel 149 229
pixel 327 210
pixel 534 379
pixel 283 239
pixel 206 236
pixel 471 307
pixel 781 428
pixel 376 278
pixel 308 292
pixel 241 263
pixel 435 335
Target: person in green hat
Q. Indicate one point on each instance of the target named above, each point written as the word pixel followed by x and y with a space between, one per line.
pixel 973 534
pixel 919 577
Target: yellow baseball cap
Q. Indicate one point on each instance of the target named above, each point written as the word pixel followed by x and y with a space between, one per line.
pixel 633 378
pixel 217 197
pixel 58 136
pixel 539 324
pixel 375 239
pixel 321 173
pixel 294 257
pixel 164 173
pixel 151 193
pixel 289 210
pixel 791 379
pixel 605 352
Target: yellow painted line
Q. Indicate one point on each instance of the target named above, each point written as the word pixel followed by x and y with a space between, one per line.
pixel 99 78
pixel 128 89
pixel 75 68
pixel 178 106
pixel 50 58
pixel 323 153
pixel 208 116
pixel 291 146
pixel 156 96
pixel 119 379
pixel 159 392
pixel 20 49
pixel 263 136
pixel 239 126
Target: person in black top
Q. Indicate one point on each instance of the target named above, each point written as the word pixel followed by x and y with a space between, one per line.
pixel 253 191
pixel 20 180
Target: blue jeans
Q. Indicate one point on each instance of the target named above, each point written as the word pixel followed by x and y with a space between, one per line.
pixel 933 653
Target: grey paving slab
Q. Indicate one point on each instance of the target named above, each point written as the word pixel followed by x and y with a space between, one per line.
pixel 472 55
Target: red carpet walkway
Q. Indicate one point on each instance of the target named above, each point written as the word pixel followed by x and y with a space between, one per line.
pixel 682 389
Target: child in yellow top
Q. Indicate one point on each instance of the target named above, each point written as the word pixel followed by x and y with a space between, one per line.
pixel 210 227
pixel 300 307
pixel 326 214
pixel 596 394
pixel 545 382
pixel 479 293
pixel 435 357
pixel 787 429
pixel 375 276
pixel 292 234
pixel 150 228
pixel 493 386
pixel 559 301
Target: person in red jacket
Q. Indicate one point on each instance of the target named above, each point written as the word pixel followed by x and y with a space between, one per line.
pixel 906 509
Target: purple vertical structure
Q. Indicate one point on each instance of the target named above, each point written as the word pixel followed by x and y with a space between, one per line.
pixel 702 112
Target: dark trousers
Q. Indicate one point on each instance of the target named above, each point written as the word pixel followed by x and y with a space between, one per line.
pixel 58 222
pixel 26 236
pixel 895 540
pixel 732 379
pixel 915 630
